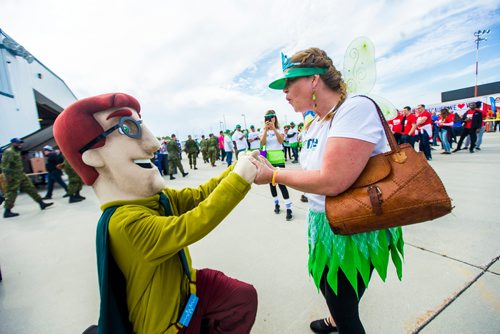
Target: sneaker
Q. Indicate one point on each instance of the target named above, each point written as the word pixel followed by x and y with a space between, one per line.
pixel 477 148
pixel 304 199
pixel 276 208
pixel 184 174
pixel 322 326
pixel 289 215
pixel 172 178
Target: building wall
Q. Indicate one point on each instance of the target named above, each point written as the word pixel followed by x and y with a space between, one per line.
pixel 18 110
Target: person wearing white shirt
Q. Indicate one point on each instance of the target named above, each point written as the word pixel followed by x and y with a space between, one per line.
pixel 272 138
pixel 254 139
pixel 294 142
pixel 228 147
pixel 240 139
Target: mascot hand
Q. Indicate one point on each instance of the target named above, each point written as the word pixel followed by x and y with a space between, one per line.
pixel 245 168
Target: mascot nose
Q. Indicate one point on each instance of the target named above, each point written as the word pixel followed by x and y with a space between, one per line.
pixel 149 141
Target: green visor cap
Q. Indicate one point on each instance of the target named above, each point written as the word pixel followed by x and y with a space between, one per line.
pixel 295 72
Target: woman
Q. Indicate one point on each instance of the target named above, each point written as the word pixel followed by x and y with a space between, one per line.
pixel 345 133
pixel 272 138
pixel 445 126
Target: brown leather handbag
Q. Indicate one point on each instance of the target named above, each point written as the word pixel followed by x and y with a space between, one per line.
pixel 396 188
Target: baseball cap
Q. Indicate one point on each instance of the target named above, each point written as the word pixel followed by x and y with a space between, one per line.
pixel 227 131
pixel 48 148
pixel 292 123
pixel 16 141
pixel 251 126
pixel 238 126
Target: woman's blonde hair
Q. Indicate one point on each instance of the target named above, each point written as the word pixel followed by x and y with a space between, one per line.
pixel 315 57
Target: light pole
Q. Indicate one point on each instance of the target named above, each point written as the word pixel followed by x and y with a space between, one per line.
pixel 244 121
pixel 479 38
pixel 220 125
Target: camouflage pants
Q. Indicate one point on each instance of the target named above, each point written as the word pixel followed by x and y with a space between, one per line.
pixel 204 154
pixel 174 162
pixel 74 185
pixel 192 159
pixel 16 182
pixel 212 154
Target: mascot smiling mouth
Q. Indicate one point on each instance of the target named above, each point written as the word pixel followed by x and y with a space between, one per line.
pixel 144 163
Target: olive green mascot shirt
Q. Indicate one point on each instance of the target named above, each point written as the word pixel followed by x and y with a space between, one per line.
pixel 144 243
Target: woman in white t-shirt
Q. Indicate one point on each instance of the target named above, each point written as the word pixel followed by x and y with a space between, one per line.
pixel 337 144
pixel 272 138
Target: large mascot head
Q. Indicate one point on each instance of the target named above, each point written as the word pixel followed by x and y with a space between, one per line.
pixel 104 140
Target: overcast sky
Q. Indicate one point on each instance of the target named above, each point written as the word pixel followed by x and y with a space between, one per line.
pixel 197 66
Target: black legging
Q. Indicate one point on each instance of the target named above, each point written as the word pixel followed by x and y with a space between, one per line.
pixel 284 190
pixel 343 306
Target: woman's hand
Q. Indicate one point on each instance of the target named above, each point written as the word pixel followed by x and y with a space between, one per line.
pixel 264 170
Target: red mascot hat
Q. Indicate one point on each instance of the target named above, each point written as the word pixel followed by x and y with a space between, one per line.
pixel 76 126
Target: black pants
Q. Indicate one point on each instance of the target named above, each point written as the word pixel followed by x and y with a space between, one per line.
pixel 473 137
pixel 284 191
pixel 55 177
pixel 344 306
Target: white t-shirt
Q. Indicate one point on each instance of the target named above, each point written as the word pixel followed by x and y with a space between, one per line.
pixel 356 118
pixel 272 142
pixel 240 140
pixel 255 144
pixel 293 133
pixel 228 143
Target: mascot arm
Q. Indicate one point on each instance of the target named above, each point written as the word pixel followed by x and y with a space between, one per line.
pixel 157 238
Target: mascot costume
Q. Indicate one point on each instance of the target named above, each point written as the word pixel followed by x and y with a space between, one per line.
pixel 146 281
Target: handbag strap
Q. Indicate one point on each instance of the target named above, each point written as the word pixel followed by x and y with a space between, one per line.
pixel 388 133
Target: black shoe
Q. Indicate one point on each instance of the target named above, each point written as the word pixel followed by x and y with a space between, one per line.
pixel 456 150
pixel 195 168
pixel 477 148
pixel 471 151
pixel 276 208
pixel 466 147
pixel 43 205
pixel 1 199
pixel 47 197
pixel 74 199
pixel 304 199
pixel 322 326
pixel 295 162
pixel 172 178
pixel 8 214
pixel 65 195
pixel 289 215
pixel 184 174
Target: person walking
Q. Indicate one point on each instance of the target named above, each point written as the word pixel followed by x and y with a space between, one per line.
pixel 53 165
pixel 272 138
pixel 12 169
pixel 293 142
pixel 470 127
pixel 213 147
pixel 75 184
pixel 222 152
pixel 228 147
pixel 445 126
pixel 204 148
pixel 338 143
pixel 424 128
pixel 191 149
pixel 174 157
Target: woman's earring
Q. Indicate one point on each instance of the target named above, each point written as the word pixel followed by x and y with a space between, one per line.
pixel 314 101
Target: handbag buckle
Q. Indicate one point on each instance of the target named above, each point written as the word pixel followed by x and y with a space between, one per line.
pixel 375 194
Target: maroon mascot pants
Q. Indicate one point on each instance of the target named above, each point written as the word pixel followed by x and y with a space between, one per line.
pixel 226 305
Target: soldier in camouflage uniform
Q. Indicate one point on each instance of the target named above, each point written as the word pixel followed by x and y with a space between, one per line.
pixel 12 169
pixel 213 147
pixel 174 157
pixel 204 148
pixel 191 148
pixel 75 184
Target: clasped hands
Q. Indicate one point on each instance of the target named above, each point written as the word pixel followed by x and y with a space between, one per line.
pixel 254 168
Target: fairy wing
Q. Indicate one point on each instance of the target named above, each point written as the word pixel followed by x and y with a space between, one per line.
pixel 359 66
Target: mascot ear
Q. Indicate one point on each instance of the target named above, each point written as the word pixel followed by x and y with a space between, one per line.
pixel 92 158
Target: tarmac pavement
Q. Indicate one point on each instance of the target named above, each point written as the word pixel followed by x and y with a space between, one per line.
pixel 451 277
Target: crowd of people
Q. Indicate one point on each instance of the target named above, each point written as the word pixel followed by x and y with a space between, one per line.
pixel 13 178
pixel 443 128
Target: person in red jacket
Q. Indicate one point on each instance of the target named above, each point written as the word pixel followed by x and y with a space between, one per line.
pixel 408 126
pixel 472 119
pixel 395 125
pixel 424 127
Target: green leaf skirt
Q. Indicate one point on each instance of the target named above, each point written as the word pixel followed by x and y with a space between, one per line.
pixel 351 253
